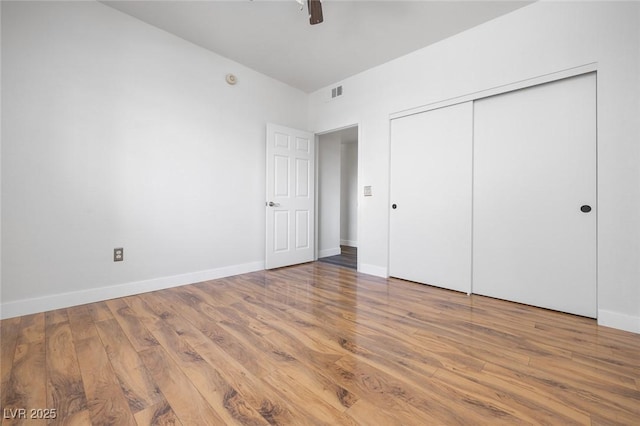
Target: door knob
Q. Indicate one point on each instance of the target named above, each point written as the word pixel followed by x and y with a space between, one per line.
pixel 394 206
pixel 585 209
pixel 272 204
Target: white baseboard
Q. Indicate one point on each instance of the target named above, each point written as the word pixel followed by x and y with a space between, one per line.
pixel 378 271
pixel 620 321
pixel 66 300
pixel 349 243
pixel 329 252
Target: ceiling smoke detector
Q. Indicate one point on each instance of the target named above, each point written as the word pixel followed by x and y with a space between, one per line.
pixel 231 79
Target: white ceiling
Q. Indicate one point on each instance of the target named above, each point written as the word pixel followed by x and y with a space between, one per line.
pixel 275 38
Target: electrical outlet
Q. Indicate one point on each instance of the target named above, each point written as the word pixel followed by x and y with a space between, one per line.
pixel 118 254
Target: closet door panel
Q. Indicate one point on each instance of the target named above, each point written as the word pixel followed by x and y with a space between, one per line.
pixel 430 226
pixel 534 168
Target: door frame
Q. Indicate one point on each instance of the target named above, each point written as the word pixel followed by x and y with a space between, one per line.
pixel 358 179
pixel 523 84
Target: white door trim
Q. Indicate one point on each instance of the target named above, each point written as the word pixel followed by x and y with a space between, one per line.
pixel 510 87
pixel 358 227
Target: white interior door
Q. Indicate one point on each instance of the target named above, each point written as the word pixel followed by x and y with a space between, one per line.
pixel 290 197
pixel 534 168
pixel 431 181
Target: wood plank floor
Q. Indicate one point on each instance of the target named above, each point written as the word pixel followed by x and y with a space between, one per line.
pixel 316 344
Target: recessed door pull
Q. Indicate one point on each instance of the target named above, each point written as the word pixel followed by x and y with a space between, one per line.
pixel 585 209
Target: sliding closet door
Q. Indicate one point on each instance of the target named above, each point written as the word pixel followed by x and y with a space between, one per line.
pixel 534 225
pixel 430 224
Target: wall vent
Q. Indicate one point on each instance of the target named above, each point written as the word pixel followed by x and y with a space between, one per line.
pixel 336 91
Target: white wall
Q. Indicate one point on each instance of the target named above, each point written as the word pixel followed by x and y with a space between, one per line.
pixel 349 193
pixel 118 134
pixel 541 38
pixel 329 194
pixel 0 163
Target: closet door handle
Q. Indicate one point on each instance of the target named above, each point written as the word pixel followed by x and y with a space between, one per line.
pixel 585 209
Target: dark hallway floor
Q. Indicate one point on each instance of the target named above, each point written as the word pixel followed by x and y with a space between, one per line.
pixel 348 258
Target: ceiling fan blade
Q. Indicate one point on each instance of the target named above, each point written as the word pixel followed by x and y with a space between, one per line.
pixel 315 11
